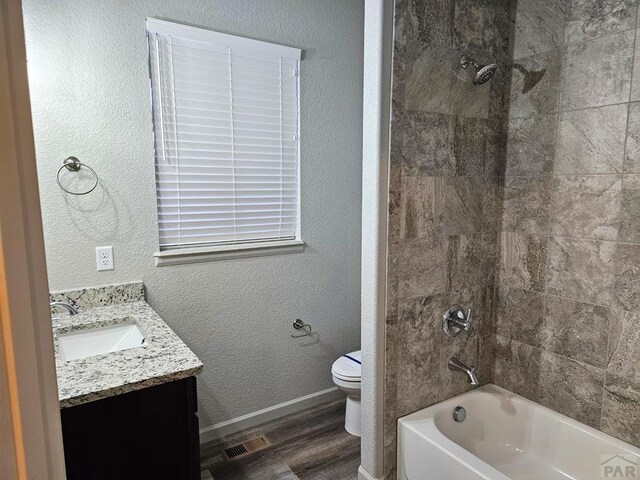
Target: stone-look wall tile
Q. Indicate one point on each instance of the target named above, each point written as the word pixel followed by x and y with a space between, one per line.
pixel 418 382
pixel 586 206
pixel 630 211
pixel 392 293
pixel 592 18
pixel 517 367
pixel 469 145
pixel 481 28
pixel 471 261
pixel 621 409
pixel 426 146
pixel 391 349
pixel 581 269
pixel 432 20
pixel 492 204
pixel 419 265
pixel 523 260
pixel 390 405
pixel 535 84
pixel 448 152
pixel 484 365
pixel 571 388
pixel 539 27
pixel 446 206
pixel 396 157
pixel 635 87
pixel 531 145
pixel 597 72
pixel 554 324
pixel 399 84
pixel 459 205
pixel 624 346
pixel 568 307
pixel 395 216
pixel 395 173
pixel 417 210
pixel 405 30
pixel 486 322
pixel 499 92
pixel 591 141
pixel 428 80
pixel 632 151
pixel 495 157
pixel 468 99
pixel 577 330
pixel 519 315
pixel 627 277
pixel 390 443
pixel 526 205
pixel 420 324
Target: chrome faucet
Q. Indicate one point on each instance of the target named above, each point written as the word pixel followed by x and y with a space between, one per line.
pixel 455 364
pixel 69 308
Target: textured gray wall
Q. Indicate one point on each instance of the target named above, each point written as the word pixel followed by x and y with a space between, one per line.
pixel 90 94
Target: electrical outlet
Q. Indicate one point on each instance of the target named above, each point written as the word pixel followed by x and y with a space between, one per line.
pixel 104 258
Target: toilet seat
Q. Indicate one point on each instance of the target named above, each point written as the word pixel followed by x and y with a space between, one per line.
pixel 347 368
pixel 346 373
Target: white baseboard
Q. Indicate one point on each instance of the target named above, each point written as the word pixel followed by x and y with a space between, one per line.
pixel 220 430
pixel 363 475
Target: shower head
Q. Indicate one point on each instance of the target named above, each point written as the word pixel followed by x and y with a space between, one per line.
pixel 483 72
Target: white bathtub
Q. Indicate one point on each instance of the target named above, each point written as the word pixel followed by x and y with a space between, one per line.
pixel 505 436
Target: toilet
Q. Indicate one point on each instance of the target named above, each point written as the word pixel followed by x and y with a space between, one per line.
pixel 347 374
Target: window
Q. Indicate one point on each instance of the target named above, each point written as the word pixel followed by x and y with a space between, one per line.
pixel 225 119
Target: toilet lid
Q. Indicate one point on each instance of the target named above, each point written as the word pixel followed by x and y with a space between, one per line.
pixel 348 366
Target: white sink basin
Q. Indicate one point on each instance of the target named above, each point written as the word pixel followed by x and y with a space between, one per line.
pixel 96 341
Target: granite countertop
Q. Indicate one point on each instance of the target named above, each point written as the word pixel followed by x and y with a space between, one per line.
pixel 164 358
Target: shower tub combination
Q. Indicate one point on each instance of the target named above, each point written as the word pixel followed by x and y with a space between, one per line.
pixel 504 436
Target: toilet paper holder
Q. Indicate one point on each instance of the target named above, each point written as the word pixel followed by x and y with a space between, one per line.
pixel 298 324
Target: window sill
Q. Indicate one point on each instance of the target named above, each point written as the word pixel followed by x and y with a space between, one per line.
pixel 225 252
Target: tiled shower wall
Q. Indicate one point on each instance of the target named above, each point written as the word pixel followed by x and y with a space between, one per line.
pixel 568 309
pixel 447 159
pixel 535 177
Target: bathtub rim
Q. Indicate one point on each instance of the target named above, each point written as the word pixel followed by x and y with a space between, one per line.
pixel 429 431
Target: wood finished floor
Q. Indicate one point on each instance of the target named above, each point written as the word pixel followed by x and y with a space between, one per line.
pixel 309 445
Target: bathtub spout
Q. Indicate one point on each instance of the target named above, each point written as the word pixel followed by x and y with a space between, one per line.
pixel 455 364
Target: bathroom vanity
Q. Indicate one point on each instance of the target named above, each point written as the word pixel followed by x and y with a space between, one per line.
pixel 127 389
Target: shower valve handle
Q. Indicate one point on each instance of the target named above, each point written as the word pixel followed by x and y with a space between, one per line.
pixel 455 320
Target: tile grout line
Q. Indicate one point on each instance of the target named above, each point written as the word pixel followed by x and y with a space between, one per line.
pixel 560 355
pixel 574 43
pixel 550 184
pixel 573 299
pixel 576 175
pixel 568 237
pixel 624 168
pixel 529 116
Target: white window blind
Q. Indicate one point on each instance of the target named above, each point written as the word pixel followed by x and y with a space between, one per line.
pixel 225 118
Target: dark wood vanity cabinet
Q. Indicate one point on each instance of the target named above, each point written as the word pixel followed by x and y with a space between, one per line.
pixel 148 434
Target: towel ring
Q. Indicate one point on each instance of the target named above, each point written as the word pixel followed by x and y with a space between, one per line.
pixel 73 165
